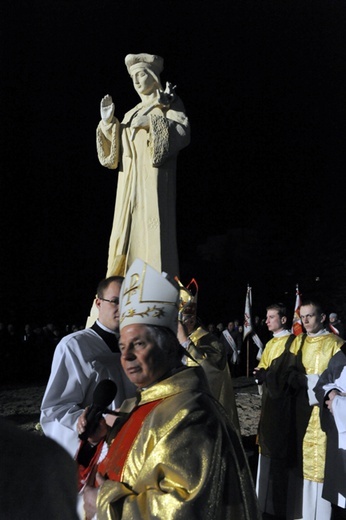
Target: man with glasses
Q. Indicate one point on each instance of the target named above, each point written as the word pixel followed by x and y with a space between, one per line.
pixel 312 352
pixel 81 360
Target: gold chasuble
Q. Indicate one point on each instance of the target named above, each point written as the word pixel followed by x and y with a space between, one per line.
pixel 210 353
pixel 182 461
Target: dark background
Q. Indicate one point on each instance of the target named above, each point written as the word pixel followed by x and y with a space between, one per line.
pixel 260 190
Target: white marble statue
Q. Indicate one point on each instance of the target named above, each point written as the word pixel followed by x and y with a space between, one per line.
pixel 144 146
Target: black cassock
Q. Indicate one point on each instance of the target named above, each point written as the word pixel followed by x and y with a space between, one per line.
pixel 335 468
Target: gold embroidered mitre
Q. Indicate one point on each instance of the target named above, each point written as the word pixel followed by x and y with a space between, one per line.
pixel 148 297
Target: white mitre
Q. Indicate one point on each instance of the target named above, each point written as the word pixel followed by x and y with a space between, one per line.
pixel 147 297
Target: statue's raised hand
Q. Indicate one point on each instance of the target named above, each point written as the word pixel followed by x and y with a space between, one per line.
pixel 107 109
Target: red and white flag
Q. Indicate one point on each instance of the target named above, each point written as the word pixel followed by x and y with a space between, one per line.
pixel 333 329
pixel 297 327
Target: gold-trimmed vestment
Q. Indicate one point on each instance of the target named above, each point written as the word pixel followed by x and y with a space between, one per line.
pixel 186 460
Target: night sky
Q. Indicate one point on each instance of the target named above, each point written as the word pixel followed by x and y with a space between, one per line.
pixel 260 190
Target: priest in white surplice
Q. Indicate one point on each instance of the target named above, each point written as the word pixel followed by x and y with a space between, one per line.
pixel 81 360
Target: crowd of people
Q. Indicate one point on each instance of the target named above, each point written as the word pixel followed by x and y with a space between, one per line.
pixel 27 350
pixel 301 466
pixel 293 460
pixel 242 353
pixel 34 346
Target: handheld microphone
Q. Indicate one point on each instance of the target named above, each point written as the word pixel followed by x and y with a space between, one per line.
pixel 103 395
